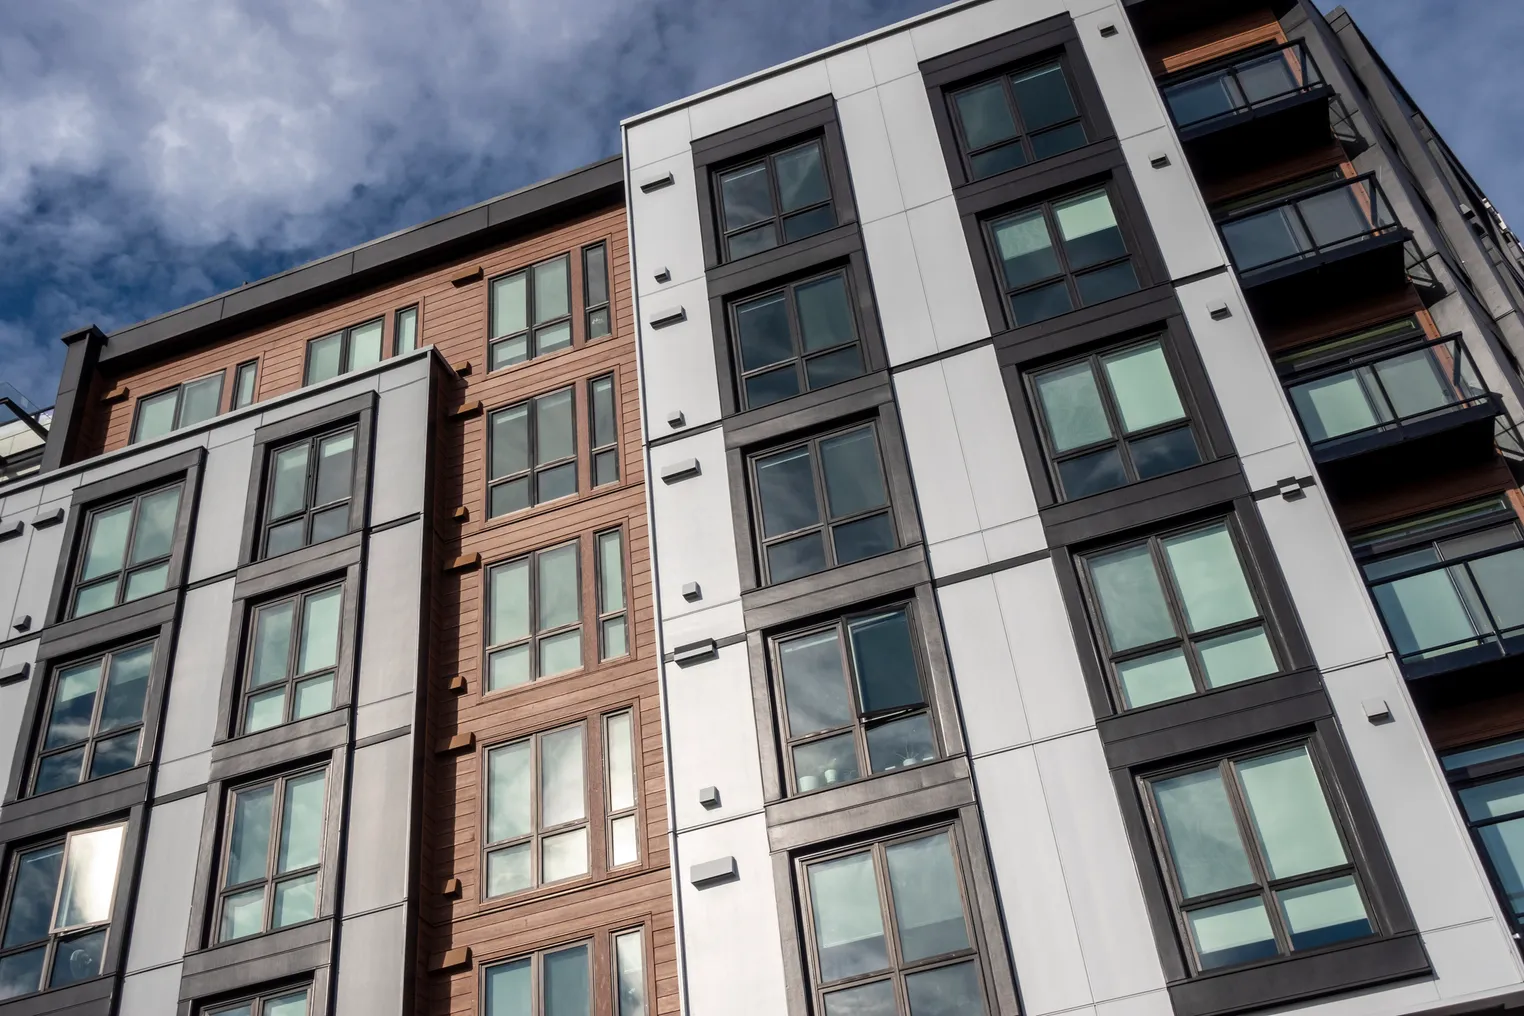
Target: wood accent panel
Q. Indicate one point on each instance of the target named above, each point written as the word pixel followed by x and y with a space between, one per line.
pixel 1214 42
pixel 1283 170
pixel 1291 329
pixel 1473 722
pixel 1423 494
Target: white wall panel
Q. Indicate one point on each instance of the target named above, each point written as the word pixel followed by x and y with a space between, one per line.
pixel 694 534
pixel 677 360
pixel 1047 666
pixel 758 99
pixel 712 733
pixel 952 293
pixel 994 715
pixel 897 290
pixel 667 223
pixel 875 185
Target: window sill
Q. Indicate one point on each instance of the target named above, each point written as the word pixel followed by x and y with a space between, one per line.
pixel 869 802
pixel 105 625
pixel 526 514
pixel 301 557
pixel 807 410
pixel 232 757
pixel 832 588
pixel 68 807
pixel 565 675
pixel 1147 307
pixel 87 998
pixel 539 894
pixel 1146 502
pixel 1293 978
pixel 731 277
pixel 554 354
pixel 1026 182
pixel 272 956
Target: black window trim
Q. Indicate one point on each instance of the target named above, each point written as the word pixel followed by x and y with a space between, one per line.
pixel 298 598
pixel 535 468
pixel 75 575
pixel 1478 775
pixel 531 555
pixel 594 450
pixel 607 305
pixel 346 348
pixel 253 366
pixel 179 390
pixel 573 273
pixel 1023 137
pixel 310 507
pixel 256 995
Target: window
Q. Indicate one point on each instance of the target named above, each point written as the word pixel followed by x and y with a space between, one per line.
pixel 796 339
pixel 562 981
pixel 285 1002
pixel 604 410
pixel 595 291
pixel 127 548
pixel 853 699
pixel 613 626
pixel 1113 418
pixel 1490 784
pixel 1257 864
pixel 243 384
pixel 311 482
pixel 1178 615
pixel 783 197
pixel 352 349
pixel 888 930
pixel 181 406
pixel 533 453
pixel 534 617
pixel 292 657
pixel 804 532
pixel 619 781
pixel 58 911
pixel 630 974
pixel 1042 279
pixel 531 313
pixel 94 718
pixel 274 854
pixel 1017 118
pixel 405 331
pixel 536 811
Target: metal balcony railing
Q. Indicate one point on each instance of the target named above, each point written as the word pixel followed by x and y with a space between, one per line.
pixel 1437 608
pixel 1308 225
pixel 1196 102
pixel 1386 392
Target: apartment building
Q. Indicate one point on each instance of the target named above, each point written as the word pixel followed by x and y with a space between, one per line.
pixel 1085 523
pixel 327 684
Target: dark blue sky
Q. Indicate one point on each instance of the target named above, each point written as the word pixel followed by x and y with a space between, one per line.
pixel 154 152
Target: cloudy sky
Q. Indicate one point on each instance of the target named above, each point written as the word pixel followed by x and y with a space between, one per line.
pixel 154 152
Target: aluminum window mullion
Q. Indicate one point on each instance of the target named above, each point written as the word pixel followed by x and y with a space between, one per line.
pixel 859 726
pixel 795 325
pixel 1175 605
pixel 823 501
pixel 1254 850
pixel 1109 406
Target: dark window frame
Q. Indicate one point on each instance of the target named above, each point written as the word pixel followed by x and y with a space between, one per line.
pixel 1057 58
pixel 532 328
pixel 606 305
pixel 259 999
pixel 609 451
pixel 310 508
pixel 416 310
pixel 789 287
pixel 602 963
pixel 768 160
pixel 75 576
pixel 535 635
pixel 636 811
pixel 235 401
pixel 1480 774
pixel 179 391
pixel 603 612
pixel 346 349
pixel 298 598
pixel 534 469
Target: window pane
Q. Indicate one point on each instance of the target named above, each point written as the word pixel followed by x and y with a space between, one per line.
pixel 89 876
pixel 604 431
pixel 567 991
pixel 615 638
pixel 406 338
pixel 765 389
pixel 563 796
pixel 301 827
pixel 508 989
pixel 563 855
pixel 508 667
pixel 243 914
pixel 510 601
pixel 630 973
pixel 508 870
pixel 1041 303
pixel 621 762
pixel 266 710
pixel 335 467
pixel 330 523
pixel 849 923
pixel 622 831
pixel 243 385
pixel 559 599
pixel 792 558
pixel 1058 140
pixel 154 536
pixel 560 481
pixel 508 792
pixel 60 770
pixel 553 427
pixel 946 991
pixel 510 307
pixel 78 958
pixel 1071 403
pixel 108 541
pixel 1132 602
pixel 1092 473
pixel 313 696
pixel 901 743
pixel 507 351
pixel 1106 283
pixel 295 901
pixel 200 400
pixel 126 685
pixel 21 973
pixel 73 704
pixel 1241 656
pixel 510 440
pixel 156 416
pixel 853 477
pixel 610 571
pixel 287 1005
pixel 833 368
pixel 867 537
pixel 1164 453
pixel 145 582
pixel 1232 933
pixel 272 643
pixel 884 661
pixel 801 177
pixel 1209 577
pixel 928 906
pixel 1026 249
pixel 803 224
pixel 745 196
pixel 95 598
pixel 1089 229
pixel 289 482
pixel 320 631
pixel 1504 843
pixel 764 237
pixel 762 328
pixel 1155 678
pixel 1203 836
pixel 31 913
pixel 997 160
pixel 825 762
pixel 985 114
pixel 825 317
pixel 595 275
pixel 1043 97
pixel 1324 912
pixel 1144 389
pixel 552 289
pixel 1493 800
pixel 323 358
pixel 365 345
pixel 1289 813
pixel 876 999
pixel 786 489
pixel 814 686
pixel 286 537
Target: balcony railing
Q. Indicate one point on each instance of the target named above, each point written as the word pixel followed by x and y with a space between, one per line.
pixel 1204 101
pixel 1309 226
pixel 1393 393
pixel 1442 615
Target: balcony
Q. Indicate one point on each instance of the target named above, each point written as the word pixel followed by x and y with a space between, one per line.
pixel 1261 86
pixel 1346 228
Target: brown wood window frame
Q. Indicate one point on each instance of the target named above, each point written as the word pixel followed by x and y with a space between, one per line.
pixel 128 568
pixel 532 329
pixel 603 971
pixel 533 471
pixel 346 349
pixel 537 833
pixel 535 635
pixel 247 369
pixel 594 303
pixel 178 391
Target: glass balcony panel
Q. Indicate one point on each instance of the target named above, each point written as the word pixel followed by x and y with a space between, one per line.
pixel 1497 581
pixel 1334 406
pixel 1417 383
pixel 1266 238
pixel 1269 77
pixel 1426 614
pixel 1337 216
pixel 1193 101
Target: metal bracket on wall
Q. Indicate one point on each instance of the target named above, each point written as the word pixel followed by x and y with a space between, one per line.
pixel 467 279
pixel 668 318
pixel 457 744
pixel 1218 310
pixel 14 675
pixel 656 183
pixel 22 623
pixel 707 873
pixel 454 959
pixel 47 519
pixel 680 470
pixel 14 529
pixel 1291 488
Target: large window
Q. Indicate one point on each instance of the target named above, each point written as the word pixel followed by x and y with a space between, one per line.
pixel 795 339
pixel 1113 418
pixel 822 503
pixel 537 811
pixel 1089 263
pixel 534 616
pixel 310 485
pixel 181 406
pixel 888 930
pixel 1256 860
pixel 1178 614
pixel 352 349
pixel 595 291
pixel 1489 780
pixel 853 699
pixel 57 916
pixel 94 720
pixel 530 313
pixel 563 981
pixel 1017 118
pixel 126 550
pixel 533 453
pixel 285 1002
pixel 292 656
pixel 274 855
pixel 783 197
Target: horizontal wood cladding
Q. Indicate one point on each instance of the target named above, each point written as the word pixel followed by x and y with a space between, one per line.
pixel 1397 500
pixel 1282 170
pixel 1291 324
pixel 1475 722
pixel 1203 45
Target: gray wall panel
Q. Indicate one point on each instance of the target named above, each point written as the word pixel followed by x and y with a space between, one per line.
pixel 389 643
pixel 164 894
pixel 219 522
pixel 371 964
pixel 151 993
pixel 191 714
pixel 401 453
pixel 379 806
